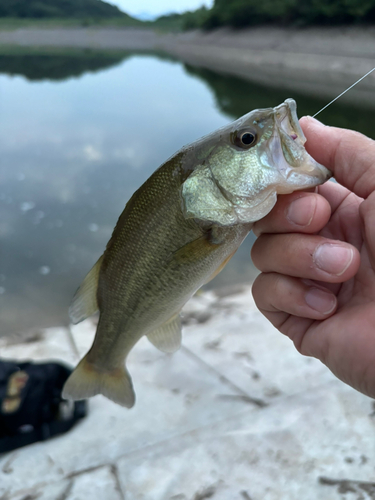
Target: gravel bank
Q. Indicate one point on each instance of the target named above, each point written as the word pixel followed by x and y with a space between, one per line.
pixel 316 61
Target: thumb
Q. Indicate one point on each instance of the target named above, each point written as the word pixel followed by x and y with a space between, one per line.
pixel 348 154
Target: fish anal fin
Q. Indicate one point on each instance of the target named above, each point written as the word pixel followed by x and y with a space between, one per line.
pixel 167 337
pixel 84 303
pixel 86 381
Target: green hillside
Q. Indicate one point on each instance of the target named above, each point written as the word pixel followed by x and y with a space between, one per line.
pixel 244 13
pixel 43 9
pixel 241 13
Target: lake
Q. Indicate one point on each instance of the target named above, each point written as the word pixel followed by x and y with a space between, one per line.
pixel 80 132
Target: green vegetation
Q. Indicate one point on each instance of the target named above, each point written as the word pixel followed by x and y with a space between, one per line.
pixel 243 13
pixel 180 22
pixel 64 13
pixel 230 13
pixel 58 8
pixel 240 13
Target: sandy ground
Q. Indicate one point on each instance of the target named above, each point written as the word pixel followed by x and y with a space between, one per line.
pixel 235 414
pixel 315 61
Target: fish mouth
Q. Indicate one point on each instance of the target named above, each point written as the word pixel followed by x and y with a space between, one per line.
pixel 294 163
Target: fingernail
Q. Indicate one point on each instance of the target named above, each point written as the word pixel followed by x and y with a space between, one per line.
pixel 321 301
pixel 333 259
pixel 301 211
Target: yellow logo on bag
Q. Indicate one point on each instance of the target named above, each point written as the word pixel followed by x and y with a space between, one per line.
pixel 16 383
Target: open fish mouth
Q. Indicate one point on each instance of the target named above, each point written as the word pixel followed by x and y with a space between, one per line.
pixel 297 167
pixel 286 119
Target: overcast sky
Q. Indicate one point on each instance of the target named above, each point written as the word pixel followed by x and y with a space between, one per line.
pixel 158 7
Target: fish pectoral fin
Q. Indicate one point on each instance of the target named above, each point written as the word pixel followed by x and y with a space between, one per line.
pixel 167 337
pixel 86 381
pixel 221 266
pixel 197 249
pixel 84 303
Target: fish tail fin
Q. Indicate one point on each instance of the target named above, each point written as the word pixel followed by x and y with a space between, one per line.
pixel 87 381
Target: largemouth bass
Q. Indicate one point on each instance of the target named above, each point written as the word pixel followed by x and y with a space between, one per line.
pixel 177 232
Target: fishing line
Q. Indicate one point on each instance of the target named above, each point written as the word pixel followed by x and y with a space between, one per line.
pixel 345 91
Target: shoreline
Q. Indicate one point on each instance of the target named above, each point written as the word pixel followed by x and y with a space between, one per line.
pixel 315 61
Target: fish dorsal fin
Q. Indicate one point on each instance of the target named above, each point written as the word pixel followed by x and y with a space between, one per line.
pixel 167 337
pixel 84 302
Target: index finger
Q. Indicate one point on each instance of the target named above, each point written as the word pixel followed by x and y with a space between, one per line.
pixel 298 212
pixel 349 154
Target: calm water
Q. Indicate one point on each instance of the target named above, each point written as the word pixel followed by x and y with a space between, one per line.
pixel 79 133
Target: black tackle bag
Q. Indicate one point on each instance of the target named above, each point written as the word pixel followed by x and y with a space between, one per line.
pixel 31 407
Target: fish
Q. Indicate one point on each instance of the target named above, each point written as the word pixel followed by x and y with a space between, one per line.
pixel 177 232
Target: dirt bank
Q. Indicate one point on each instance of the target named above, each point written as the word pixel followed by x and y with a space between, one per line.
pixel 315 61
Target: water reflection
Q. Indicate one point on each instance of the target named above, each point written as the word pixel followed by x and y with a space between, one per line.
pixel 72 152
pixel 58 65
pixel 235 96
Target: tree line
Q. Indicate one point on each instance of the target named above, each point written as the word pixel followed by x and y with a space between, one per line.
pixel 231 13
pixel 244 13
pixel 39 9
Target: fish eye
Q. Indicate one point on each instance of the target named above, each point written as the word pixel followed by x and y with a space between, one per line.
pixel 245 139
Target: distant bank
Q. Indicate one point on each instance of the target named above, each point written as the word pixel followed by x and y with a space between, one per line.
pixel 320 61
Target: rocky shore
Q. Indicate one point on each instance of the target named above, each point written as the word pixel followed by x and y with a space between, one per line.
pixel 316 61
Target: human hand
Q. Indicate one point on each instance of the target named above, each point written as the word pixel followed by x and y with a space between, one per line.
pixel 316 252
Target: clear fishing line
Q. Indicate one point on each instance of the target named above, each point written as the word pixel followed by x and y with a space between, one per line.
pixel 345 91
